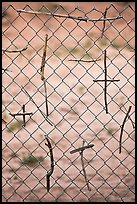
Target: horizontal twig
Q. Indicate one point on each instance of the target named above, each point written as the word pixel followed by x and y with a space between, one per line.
pixel 14 51
pixel 16 114
pixel 110 80
pixel 122 128
pixel 81 148
pixel 80 60
pixel 68 16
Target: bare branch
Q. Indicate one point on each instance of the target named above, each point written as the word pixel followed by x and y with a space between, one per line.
pixel 122 128
pixel 43 58
pixel 83 168
pixel 14 51
pixel 80 60
pixel 105 89
pixel 110 80
pixel 104 22
pixel 52 164
pixel 68 16
pixel 81 148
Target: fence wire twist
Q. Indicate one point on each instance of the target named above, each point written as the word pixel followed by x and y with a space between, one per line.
pixel 68 104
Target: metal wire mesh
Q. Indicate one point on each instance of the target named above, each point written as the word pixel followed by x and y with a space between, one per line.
pixel 89 58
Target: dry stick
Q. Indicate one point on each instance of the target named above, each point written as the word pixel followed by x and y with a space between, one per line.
pixel 122 128
pixel 104 22
pixel 52 164
pixel 110 80
pixel 42 71
pixel 46 101
pixel 14 51
pixel 68 16
pixel 43 114
pixel 105 89
pixel 21 114
pixel 79 60
pixel 84 171
pixel 81 148
pixel 24 115
pixel 129 118
pixel 43 58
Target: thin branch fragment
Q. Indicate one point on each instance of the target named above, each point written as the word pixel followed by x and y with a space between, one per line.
pixel 24 115
pixel 68 16
pixel 122 128
pixel 79 60
pixel 110 80
pixel 14 51
pixel 52 164
pixel 81 148
pixel 43 58
pixel 17 114
pixel 104 22
pixel 130 118
pixel 84 171
pixel 105 89
pixel 46 101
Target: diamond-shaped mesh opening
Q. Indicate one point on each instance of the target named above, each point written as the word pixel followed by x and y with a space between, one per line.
pixel 68 108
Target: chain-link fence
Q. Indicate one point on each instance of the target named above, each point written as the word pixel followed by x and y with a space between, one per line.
pixel 68 105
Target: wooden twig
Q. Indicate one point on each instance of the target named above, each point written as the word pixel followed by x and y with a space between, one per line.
pixel 81 148
pixel 105 89
pixel 52 164
pixel 21 114
pixel 80 60
pixel 42 72
pixel 110 80
pixel 68 16
pixel 43 58
pixel 122 128
pixel 106 80
pixel 104 22
pixel 83 168
pixel 18 114
pixel 43 114
pixel 24 115
pixel 129 118
pixel 14 51
pixel 46 101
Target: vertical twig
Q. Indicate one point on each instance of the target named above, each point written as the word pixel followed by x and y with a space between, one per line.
pixel 105 89
pixel 24 115
pixel 52 164
pixel 83 168
pixel 42 71
pixel 46 101
pixel 130 118
pixel 44 58
pixel 122 128
pixel 104 22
